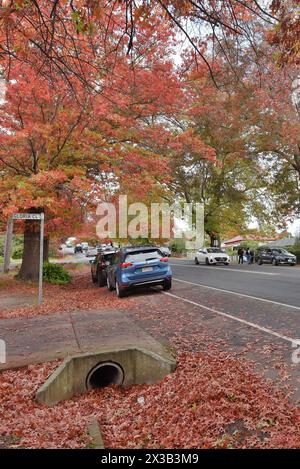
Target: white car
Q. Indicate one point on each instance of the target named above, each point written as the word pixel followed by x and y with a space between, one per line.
pixel 165 251
pixel 91 252
pixel 210 256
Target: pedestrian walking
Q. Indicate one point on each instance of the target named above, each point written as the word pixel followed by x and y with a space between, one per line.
pixel 252 254
pixel 241 255
pixel 247 254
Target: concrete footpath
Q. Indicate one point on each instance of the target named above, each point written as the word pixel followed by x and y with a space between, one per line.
pixel 44 338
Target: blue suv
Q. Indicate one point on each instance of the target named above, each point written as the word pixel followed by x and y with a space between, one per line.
pixel 138 266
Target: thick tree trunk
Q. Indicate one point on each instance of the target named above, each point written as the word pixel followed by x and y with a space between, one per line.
pixel 31 253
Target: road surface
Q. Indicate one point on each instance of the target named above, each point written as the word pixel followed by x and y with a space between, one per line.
pixel 275 283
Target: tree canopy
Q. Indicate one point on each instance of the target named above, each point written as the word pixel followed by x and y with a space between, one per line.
pixel 104 97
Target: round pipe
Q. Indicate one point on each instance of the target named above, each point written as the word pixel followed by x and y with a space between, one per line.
pixel 105 374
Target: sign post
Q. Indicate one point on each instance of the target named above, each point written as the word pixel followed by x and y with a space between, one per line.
pixel 9 234
pixel 41 260
pixel 7 246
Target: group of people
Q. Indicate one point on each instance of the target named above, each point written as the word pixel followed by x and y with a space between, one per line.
pixel 248 253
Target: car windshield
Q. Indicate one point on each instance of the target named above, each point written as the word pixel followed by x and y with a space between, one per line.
pixel 143 256
pixel 215 250
pixel 108 257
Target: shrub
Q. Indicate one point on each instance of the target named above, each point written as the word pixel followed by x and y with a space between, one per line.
pixel 177 245
pixel 230 251
pixel 18 241
pixel 18 253
pixel 55 274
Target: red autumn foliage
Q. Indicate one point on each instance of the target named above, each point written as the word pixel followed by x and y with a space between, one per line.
pixel 211 401
pixel 81 294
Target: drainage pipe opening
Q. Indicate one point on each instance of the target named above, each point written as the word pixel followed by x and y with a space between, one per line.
pixel 105 374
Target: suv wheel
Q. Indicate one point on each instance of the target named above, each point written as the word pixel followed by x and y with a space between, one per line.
pixel 120 291
pixel 260 262
pixel 274 262
pixel 207 261
pixel 167 285
pixel 196 261
pixel 100 279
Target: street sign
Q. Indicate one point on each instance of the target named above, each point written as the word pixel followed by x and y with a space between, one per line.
pixel 27 216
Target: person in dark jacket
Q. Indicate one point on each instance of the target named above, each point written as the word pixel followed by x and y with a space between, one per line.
pixel 241 255
pixel 252 254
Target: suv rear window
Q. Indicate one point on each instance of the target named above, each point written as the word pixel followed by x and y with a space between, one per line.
pixel 143 256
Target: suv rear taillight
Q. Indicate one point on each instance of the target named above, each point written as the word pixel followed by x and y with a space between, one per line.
pixel 164 259
pixel 124 265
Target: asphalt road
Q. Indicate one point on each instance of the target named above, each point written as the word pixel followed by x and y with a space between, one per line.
pixel 250 306
pixel 275 283
pixel 265 298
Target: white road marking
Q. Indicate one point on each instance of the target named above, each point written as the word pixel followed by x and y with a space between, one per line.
pixel 213 267
pixel 243 321
pixel 238 294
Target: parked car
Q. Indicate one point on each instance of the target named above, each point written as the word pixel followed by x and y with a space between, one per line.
pixel 85 246
pixel 275 256
pixel 78 248
pixel 165 250
pixel 99 267
pixel 91 252
pixel 138 266
pixel 211 256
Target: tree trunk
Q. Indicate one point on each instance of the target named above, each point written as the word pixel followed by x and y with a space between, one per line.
pixel 31 252
pixel 215 240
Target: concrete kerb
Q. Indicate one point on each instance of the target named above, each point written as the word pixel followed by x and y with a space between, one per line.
pixel 139 366
pixel 95 434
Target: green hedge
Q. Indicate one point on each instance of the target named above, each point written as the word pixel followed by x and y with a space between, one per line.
pixel 55 274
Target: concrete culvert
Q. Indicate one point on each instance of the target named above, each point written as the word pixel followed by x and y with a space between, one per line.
pixel 105 374
pixel 123 366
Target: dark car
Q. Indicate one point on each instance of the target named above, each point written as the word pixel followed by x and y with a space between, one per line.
pixel 138 266
pixel 99 267
pixel 275 256
pixel 78 248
